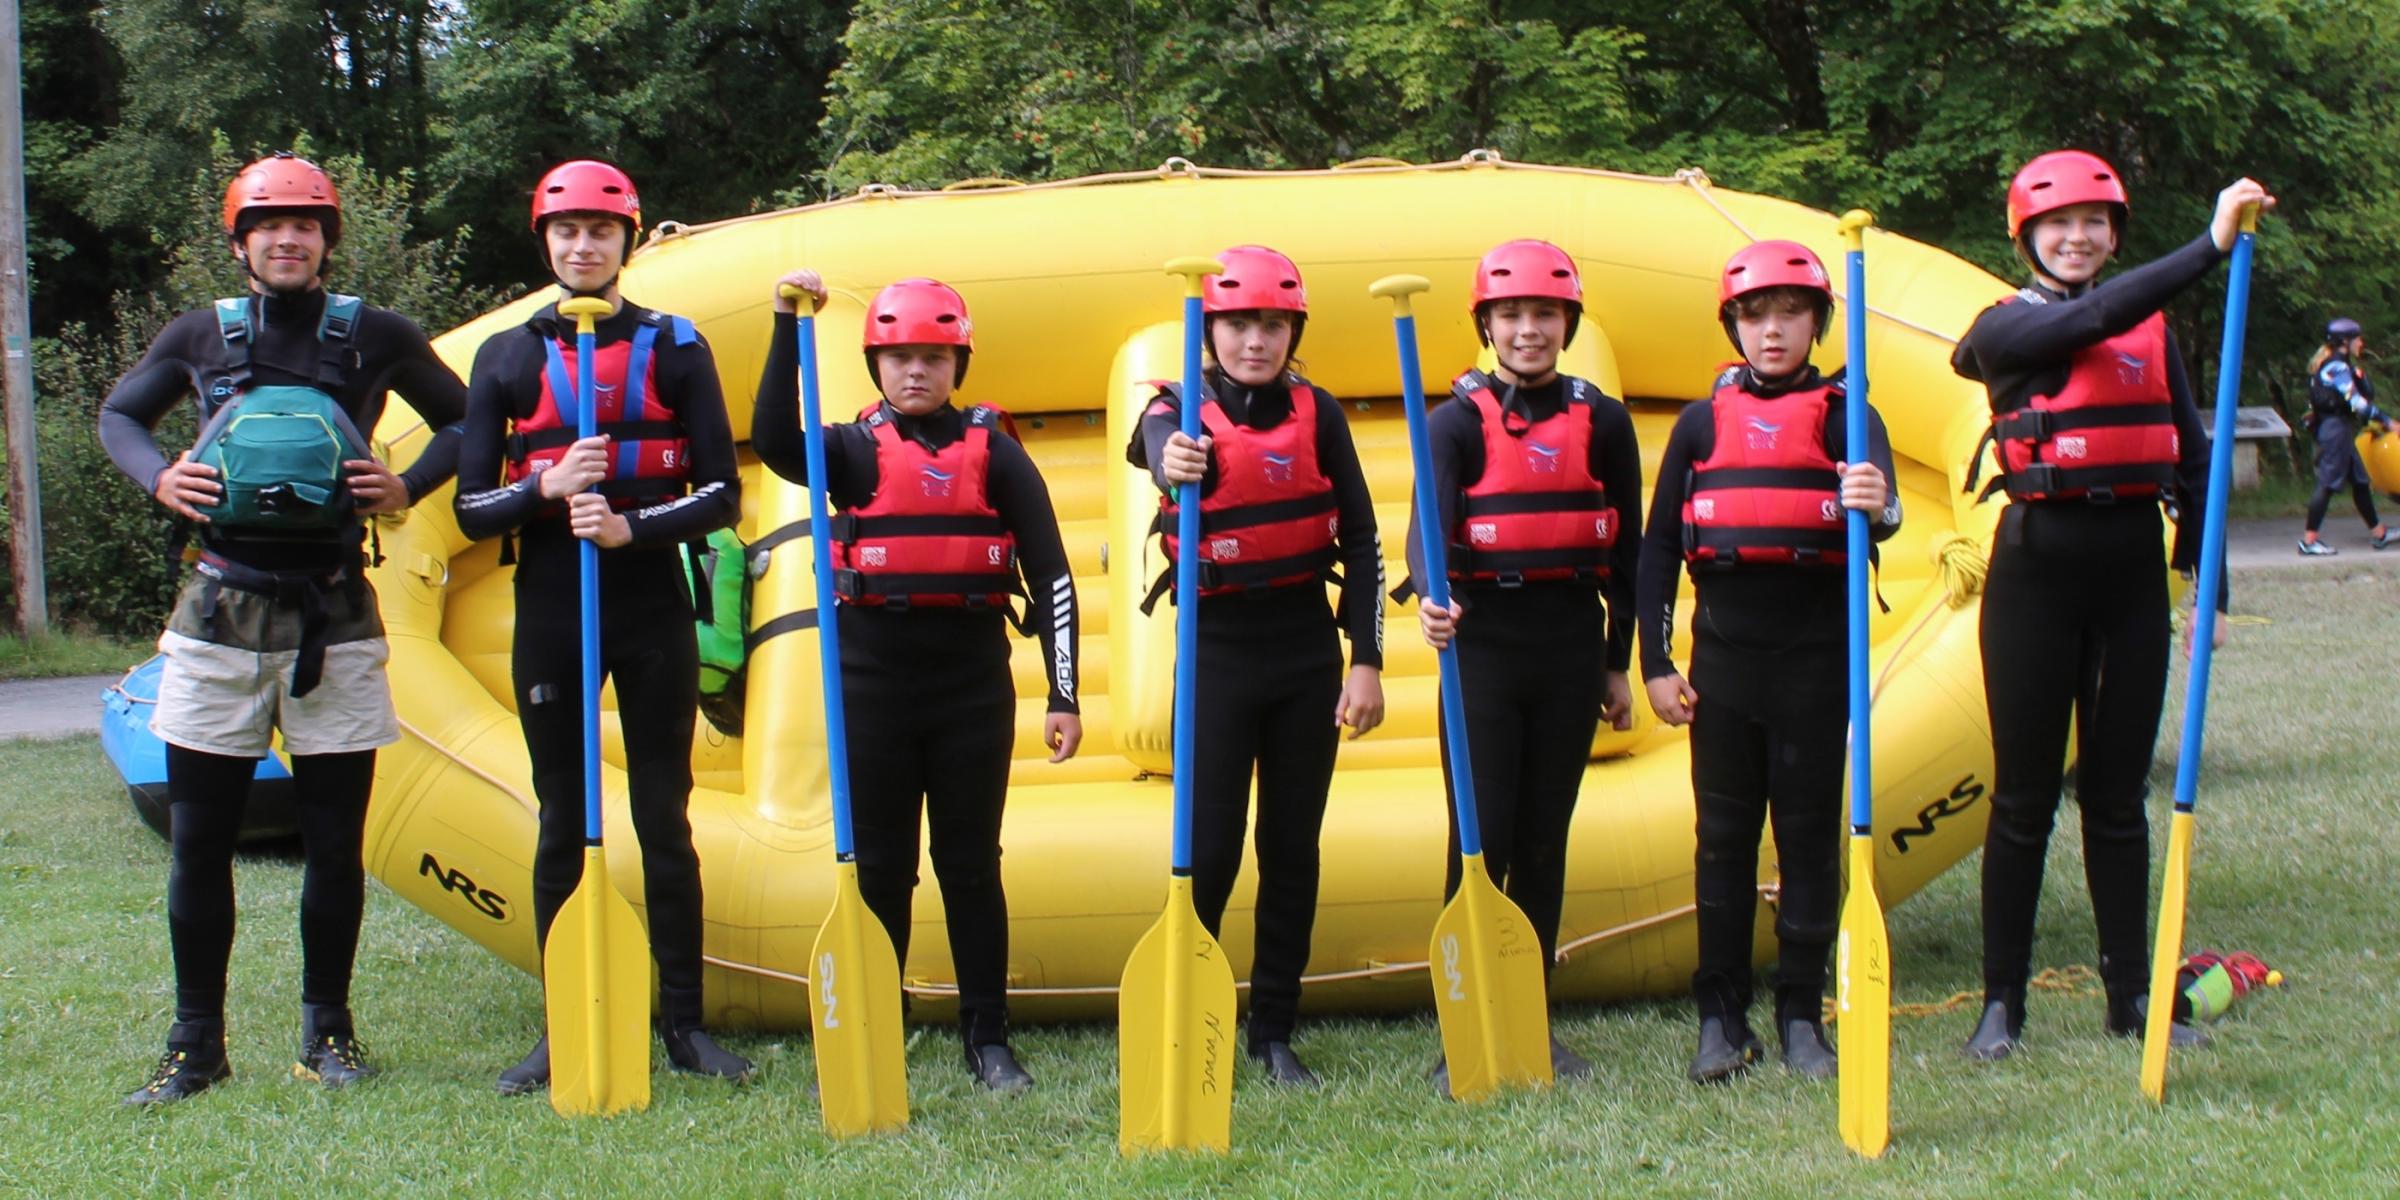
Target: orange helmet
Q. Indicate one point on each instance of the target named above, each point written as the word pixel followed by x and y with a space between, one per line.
pixel 919 312
pixel 282 182
pixel 588 186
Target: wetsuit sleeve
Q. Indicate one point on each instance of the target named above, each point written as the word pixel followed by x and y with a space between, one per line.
pixel 146 394
pixel 433 390
pixel 1879 452
pixel 485 506
pixel 1454 437
pixel 1661 569
pixel 1359 544
pixel 1022 498
pixel 776 437
pixel 1160 421
pixel 1617 464
pixel 688 375
pixel 2191 474
pixel 2011 339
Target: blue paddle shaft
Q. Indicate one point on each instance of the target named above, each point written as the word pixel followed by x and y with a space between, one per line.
pixel 587 423
pixel 829 641
pixel 1436 589
pixel 2212 527
pixel 1854 429
pixel 1187 598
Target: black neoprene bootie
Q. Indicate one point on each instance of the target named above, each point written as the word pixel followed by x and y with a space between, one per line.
pixel 995 1066
pixel 1806 1053
pixel 330 1052
pixel 1996 1035
pixel 531 1074
pixel 195 1060
pixel 1727 1048
pixel 693 1052
pixel 1565 1063
pixel 2130 1018
pixel 1282 1066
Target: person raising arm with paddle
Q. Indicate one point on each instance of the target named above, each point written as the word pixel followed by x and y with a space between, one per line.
pixel 1750 497
pixel 1278 476
pixel 658 474
pixel 930 704
pixel 1539 480
pixel 2094 428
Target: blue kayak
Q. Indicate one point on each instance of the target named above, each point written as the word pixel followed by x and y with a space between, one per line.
pixel 141 760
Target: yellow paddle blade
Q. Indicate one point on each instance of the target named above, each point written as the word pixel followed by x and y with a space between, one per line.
pixel 1175 1013
pixel 1488 990
pixel 1863 1000
pixel 2168 956
pixel 854 1017
pixel 596 986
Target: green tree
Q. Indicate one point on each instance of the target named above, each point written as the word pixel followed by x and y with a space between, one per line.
pixel 937 90
pixel 711 106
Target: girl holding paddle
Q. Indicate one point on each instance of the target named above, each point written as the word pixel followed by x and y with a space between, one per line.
pixel 659 474
pixel 1750 497
pixel 944 522
pixel 2095 427
pixel 1539 480
pixel 1280 485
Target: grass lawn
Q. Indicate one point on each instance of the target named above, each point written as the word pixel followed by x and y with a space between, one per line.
pixel 2296 851
pixel 56 654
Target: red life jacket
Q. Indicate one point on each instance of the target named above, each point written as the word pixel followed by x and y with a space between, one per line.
pixel 650 461
pixel 1272 518
pixel 2108 433
pixel 1536 513
pixel 1767 492
pixel 930 535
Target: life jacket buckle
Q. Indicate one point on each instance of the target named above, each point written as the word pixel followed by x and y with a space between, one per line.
pixel 1508 579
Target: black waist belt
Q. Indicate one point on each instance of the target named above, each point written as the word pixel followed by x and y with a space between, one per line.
pixel 305 589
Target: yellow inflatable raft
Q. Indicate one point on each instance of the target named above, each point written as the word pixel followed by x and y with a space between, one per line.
pixel 2382 453
pixel 1072 314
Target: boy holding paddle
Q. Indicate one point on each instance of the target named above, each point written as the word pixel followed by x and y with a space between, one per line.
pixel 659 474
pixel 1750 496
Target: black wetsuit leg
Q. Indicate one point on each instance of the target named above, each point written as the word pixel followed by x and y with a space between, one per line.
pixel 1532 670
pixel 1266 697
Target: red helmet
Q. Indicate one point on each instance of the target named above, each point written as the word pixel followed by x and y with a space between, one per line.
pixel 588 186
pixel 282 182
pixel 1254 278
pixel 2058 179
pixel 919 312
pixel 1762 265
pixel 1527 267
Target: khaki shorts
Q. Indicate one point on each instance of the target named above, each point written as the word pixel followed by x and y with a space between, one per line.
pixel 226 685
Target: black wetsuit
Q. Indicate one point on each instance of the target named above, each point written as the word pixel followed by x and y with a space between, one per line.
pixel 647 642
pixel 2075 626
pixel 207 792
pixel 1533 657
pixel 1269 674
pixel 928 694
pixel 2340 399
pixel 1771 725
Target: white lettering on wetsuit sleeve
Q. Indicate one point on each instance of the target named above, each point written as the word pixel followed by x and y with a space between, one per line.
pixel 1062 641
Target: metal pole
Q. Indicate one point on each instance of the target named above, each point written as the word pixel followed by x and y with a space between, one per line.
pixel 16 374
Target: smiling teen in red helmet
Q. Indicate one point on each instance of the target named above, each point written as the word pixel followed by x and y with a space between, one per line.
pixel 1284 501
pixel 659 474
pixel 2095 428
pixel 276 629
pixel 1539 481
pixel 1750 498
pixel 932 704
